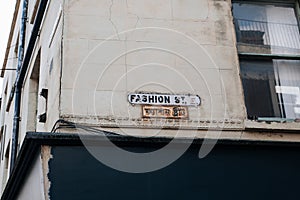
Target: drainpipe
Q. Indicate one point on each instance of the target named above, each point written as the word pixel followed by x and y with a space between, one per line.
pixel 16 122
pixel 21 72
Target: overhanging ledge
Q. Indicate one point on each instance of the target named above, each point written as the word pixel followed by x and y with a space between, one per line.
pixel 34 140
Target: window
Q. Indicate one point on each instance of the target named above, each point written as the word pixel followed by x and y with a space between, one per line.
pixel 268 42
pixel 5 174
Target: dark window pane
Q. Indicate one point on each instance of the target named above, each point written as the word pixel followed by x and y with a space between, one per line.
pixel 259 87
pixel 271 88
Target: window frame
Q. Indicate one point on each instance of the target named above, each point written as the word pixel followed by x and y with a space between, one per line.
pixel 250 123
pixel 295 4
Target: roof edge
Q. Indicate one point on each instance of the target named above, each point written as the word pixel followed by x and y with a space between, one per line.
pixel 12 29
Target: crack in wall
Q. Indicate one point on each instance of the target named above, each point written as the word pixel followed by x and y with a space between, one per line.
pixel 134 28
pixel 130 13
pixel 172 10
pixel 110 19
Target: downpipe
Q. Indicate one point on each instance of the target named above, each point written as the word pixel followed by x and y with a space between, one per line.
pixel 24 60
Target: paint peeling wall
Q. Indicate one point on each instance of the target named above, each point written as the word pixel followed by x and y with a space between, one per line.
pixel 46 157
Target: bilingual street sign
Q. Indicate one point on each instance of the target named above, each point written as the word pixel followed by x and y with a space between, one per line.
pixel 164 99
pixel 169 112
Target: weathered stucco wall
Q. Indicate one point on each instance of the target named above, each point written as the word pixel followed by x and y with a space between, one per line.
pixel 113 48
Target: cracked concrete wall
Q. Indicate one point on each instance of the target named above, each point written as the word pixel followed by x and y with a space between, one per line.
pixel 115 47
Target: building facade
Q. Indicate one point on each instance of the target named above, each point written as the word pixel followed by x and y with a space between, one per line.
pixel 210 71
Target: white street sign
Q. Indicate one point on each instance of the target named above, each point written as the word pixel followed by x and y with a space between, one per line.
pixel 164 99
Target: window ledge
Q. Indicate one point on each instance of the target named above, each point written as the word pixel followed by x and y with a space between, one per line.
pixel 267 125
pixel 265 51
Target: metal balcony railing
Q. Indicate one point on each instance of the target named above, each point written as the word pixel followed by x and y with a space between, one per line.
pixel 267 33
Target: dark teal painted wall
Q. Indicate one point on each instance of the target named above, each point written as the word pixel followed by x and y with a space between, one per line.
pixel 229 172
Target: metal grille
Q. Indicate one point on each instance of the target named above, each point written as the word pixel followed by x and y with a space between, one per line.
pixel 267 33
